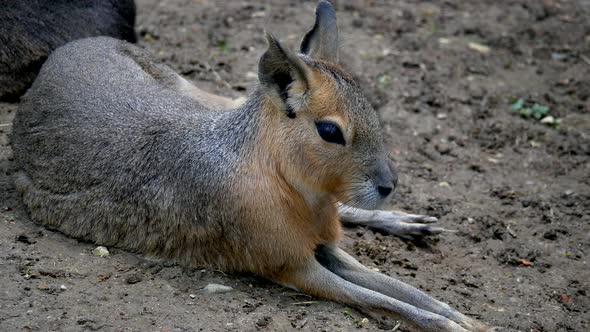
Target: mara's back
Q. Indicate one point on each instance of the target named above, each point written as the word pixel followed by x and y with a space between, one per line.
pixel 107 153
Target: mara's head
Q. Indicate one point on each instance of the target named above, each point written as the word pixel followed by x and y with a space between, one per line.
pixel 330 137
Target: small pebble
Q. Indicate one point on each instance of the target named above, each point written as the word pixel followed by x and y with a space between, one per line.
pixel 216 289
pixel 264 321
pixel 558 56
pixel 251 75
pixel 535 144
pixel 63 287
pixel 133 278
pixel 550 235
pixel 444 41
pixel 192 296
pixel 443 148
pixel 258 14
pixel 101 252
pixel 483 49
pixel 549 120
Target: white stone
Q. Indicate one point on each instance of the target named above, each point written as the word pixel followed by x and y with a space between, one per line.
pixel 101 252
pixel 483 49
pixel 216 289
pixel 548 120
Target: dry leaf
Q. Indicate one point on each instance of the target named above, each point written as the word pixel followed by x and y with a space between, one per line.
pixel 525 262
pixel 564 298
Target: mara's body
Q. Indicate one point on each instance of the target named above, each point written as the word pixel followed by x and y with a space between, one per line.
pixel 143 167
pixel 116 149
pixel 31 29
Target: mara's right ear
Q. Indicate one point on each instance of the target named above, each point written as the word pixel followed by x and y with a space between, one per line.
pixel 321 42
pixel 278 71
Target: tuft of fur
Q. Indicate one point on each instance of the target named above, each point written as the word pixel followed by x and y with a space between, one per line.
pixel 31 29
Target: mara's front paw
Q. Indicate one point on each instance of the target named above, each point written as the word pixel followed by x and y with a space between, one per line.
pixel 405 225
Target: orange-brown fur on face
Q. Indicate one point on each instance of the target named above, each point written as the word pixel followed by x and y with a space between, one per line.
pixel 285 217
pixel 292 180
pixel 302 152
pixel 313 163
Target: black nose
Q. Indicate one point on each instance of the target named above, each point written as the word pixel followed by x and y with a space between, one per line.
pixel 384 191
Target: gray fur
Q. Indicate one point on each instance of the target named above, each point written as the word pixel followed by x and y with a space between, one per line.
pixel 113 156
pixel 31 29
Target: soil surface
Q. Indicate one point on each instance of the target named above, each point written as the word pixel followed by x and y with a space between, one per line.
pixel 443 76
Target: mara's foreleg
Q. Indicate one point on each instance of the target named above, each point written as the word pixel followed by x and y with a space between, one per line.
pixel 345 266
pixel 390 222
pixel 315 279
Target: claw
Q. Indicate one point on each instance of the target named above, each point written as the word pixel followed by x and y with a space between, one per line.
pixel 405 229
pixel 428 219
pixel 434 230
pixel 391 222
pixel 412 218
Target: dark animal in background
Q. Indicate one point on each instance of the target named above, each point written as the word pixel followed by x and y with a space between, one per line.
pixel 31 29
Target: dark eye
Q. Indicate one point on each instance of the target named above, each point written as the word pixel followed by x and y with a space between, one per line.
pixel 330 132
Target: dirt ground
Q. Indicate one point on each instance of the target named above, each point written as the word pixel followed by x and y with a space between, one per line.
pixel 443 76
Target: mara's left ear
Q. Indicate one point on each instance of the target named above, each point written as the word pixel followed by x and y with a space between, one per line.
pixel 283 76
pixel 321 42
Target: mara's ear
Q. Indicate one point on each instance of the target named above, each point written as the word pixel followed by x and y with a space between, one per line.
pixel 321 42
pixel 278 71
